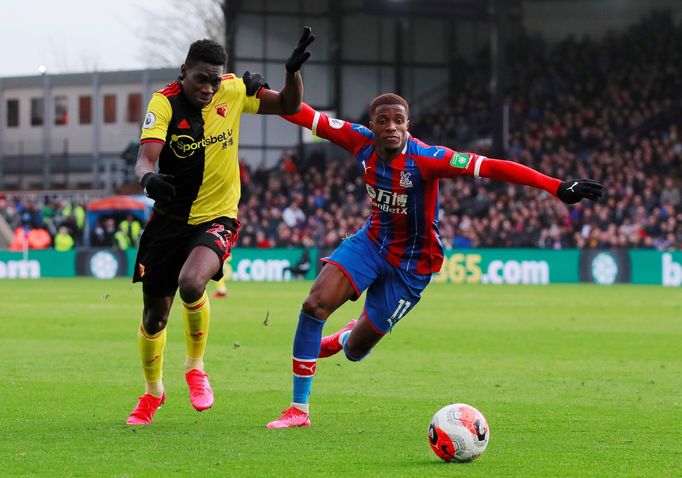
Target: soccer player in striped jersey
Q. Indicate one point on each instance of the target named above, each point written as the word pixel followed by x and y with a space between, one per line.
pixel 394 254
pixel 192 131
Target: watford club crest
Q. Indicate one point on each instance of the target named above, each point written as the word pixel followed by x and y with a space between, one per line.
pixel 221 109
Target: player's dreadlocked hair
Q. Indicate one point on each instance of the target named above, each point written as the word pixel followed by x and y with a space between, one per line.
pixel 388 99
pixel 207 51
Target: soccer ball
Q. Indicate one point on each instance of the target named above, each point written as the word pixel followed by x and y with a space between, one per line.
pixel 458 432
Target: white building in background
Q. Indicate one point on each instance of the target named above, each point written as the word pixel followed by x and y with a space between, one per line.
pixel 69 130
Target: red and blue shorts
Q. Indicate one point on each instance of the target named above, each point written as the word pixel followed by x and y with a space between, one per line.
pixel 391 291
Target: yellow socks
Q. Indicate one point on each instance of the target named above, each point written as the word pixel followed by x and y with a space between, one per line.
pixel 197 318
pixel 220 286
pixel 151 353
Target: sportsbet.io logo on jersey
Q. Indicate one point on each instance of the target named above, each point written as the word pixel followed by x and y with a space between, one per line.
pixel 184 146
pixel 388 201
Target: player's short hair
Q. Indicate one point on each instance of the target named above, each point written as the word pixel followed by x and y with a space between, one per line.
pixel 207 51
pixel 388 99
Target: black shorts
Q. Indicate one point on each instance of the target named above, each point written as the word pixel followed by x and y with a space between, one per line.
pixel 166 244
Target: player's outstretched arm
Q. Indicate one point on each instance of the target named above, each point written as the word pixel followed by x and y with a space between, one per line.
pixel 342 133
pixel 442 162
pixel 570 191
pixel 574 190
pixel 307 117
pixel 288 100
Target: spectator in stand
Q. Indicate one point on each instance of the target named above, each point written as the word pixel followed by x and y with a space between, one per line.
pixel 262 241
pixel 63 241
pixel 670 195
pixel 97 235
pixel 121 239
pixel 78 212
pixel 110 230
pixel 287 163
pixel 131 229
pixel 292 215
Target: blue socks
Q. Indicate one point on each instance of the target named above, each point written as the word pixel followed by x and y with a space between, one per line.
pixel 306 350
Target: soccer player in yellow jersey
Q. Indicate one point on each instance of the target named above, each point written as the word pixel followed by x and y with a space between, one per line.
pixel 192 130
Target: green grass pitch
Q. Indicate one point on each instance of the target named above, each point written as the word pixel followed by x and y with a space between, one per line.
pixel 574 380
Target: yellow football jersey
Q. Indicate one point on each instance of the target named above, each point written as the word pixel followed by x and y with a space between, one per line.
pixel 200 149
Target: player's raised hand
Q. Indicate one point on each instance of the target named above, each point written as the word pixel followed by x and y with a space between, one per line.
pixel 574 190
pixel 300 55
pixel 158 186
pixel 254 82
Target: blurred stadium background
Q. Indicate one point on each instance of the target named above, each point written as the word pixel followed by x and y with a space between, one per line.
pixel 582 88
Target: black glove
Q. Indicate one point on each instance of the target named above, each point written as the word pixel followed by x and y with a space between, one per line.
pixel 254 82
pixel 574 190
pixel 299 56
pixel 158 186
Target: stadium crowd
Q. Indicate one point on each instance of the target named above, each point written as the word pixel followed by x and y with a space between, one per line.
pixel 43 221
pixel 608 110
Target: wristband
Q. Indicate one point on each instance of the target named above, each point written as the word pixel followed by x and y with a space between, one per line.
pixel 145 178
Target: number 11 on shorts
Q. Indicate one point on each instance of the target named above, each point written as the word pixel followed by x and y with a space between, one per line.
pixel 403 306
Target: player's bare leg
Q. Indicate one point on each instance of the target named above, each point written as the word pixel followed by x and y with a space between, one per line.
pixel 331 289
pixel 151 343
pixel 361 340
pixel 201 265
pixel 364 339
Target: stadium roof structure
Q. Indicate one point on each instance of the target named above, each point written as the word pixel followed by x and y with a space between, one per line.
pixel 463 9
pixel 85 78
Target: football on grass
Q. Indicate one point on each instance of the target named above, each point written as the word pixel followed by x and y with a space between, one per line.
pixel 458 432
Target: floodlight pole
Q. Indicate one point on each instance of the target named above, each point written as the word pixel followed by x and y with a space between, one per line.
pixel 336 17
pixel 3 126
pixel 498 40
pixel 229 8
pixel 47 130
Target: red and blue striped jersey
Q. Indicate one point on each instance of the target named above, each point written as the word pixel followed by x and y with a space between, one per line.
pixel 403 223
